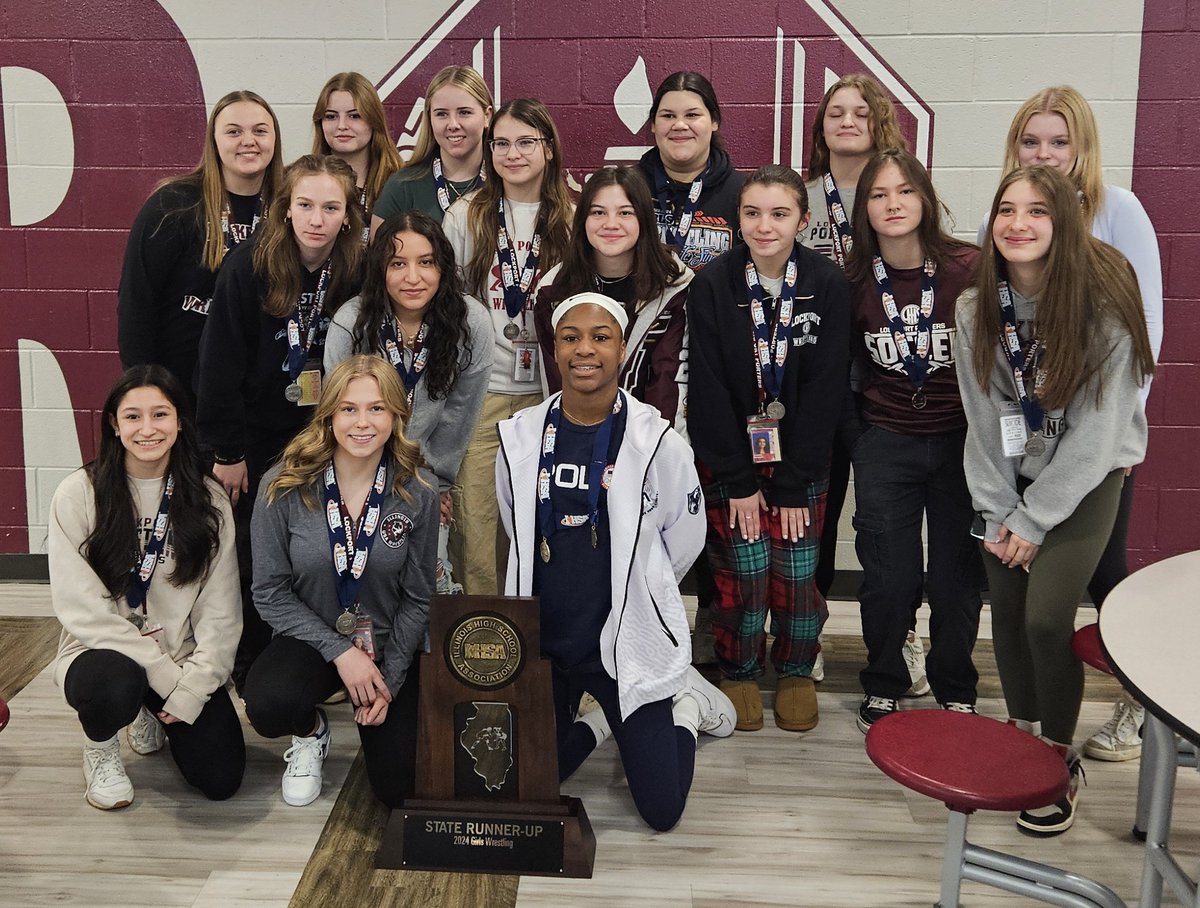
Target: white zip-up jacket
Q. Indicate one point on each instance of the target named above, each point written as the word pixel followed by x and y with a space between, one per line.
pixel 656 515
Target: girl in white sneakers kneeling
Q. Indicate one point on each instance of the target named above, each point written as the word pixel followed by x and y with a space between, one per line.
pixel 604 514
pixel 345 545
pixel 150 648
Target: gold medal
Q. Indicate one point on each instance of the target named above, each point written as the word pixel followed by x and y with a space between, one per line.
pixel 544 549
pixel 345 623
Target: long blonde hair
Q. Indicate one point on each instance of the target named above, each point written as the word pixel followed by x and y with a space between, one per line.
pixel 307 455
pixel 557 208
pixel 277 256
pixel 207 176
pixel 1088 286
pixel 1085 172
pixel 383 160
pixel 463 77
pixel 885 130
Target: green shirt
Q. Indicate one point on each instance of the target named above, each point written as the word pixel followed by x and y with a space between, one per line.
pixel 413 187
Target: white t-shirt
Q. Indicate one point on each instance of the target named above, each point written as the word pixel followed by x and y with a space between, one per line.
pixel 522 218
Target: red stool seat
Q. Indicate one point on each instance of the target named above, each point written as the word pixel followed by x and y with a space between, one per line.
pixel 968 762
pixel 3 713
pixel 1085 644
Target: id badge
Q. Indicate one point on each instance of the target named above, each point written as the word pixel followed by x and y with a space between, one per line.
pixel 525 361
pixel 765 446
pixel 1012 429
pixel 310 386
pixel 158 635
pixel 363 636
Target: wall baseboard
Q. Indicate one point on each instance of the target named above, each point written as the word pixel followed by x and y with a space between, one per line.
pixel 24 568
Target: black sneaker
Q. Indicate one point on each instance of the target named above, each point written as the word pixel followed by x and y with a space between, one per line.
pixel 874 708
pixel 1057 818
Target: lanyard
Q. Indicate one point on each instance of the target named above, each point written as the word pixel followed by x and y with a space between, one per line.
pixel 143 569
pixel 916 366
pixel 596 469
pixel 342 538
pixel 843 242
pixel 516 293
pixel 298 347
pixel 231 237
pixel 443 187
pixel 389 340
pixel 1021 364
pixel 677 233
pixel 771 342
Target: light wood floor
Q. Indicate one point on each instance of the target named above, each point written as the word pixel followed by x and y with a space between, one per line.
pixel 773 819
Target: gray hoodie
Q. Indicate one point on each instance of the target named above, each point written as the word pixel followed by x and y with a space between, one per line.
pixel 1084 442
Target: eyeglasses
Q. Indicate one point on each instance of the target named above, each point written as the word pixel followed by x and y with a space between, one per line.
pixel 525 145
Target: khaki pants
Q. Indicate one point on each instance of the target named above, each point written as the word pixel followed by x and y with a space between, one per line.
pixel 478 546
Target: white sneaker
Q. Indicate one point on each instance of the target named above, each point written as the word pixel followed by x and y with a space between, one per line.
pixel 818 669
pixel 108 787
pixel 146 734
pixel 1120 738
pixel 914 658
pixel 306 756
pixel 717 713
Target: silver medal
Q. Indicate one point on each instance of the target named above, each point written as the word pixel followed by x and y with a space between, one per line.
pixel 776 410
pixel 1035 446
pixel 511 331
pixel 919 400
pixel 293 393
pixel 345 623
pixel 136 619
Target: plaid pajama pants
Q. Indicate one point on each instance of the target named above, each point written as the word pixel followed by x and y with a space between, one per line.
pixel 770 574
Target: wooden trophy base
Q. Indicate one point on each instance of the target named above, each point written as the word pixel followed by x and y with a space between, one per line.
pixel 530 839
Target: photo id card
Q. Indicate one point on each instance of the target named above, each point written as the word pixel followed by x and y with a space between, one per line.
pixel 525 362
pixel 310 385
pixel 363 635
pixel 765 446
pixel 156 633
pixel 1012 429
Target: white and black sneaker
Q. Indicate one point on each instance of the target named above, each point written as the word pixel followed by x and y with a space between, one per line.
pixel 1058 817
pixel 914 658
pixel 305 759
pixel 872 709
pixel 146 734
pixel 956 706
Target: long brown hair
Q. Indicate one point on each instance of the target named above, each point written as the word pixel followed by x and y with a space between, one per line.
pixel 885 131
pixel 207 176
pixel 308 453
pixel 936 243
pixel 654 268
pixel 1085 171
pixel 463 77
pixel 277 256
pixel 483 217
pixel 383 160
pixel 1087 286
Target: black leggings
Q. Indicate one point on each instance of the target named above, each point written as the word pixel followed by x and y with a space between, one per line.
pixel 1113 567
pixel 108 688
pixel 290 679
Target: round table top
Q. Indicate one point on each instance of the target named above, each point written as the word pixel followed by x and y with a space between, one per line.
pixel 1150 631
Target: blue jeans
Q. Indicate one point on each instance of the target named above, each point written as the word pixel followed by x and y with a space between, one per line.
pixel 898 479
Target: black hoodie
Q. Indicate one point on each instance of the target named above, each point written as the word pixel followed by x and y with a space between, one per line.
pixel 714 227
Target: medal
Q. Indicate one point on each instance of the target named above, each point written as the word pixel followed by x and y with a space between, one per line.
pixel 918 399
pixel 595 536
pixel 136 619
pixel 1035 446
pixel 544 549
pixel 345 623
pixel 511 331
pixel 293 392
pixel 776 410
